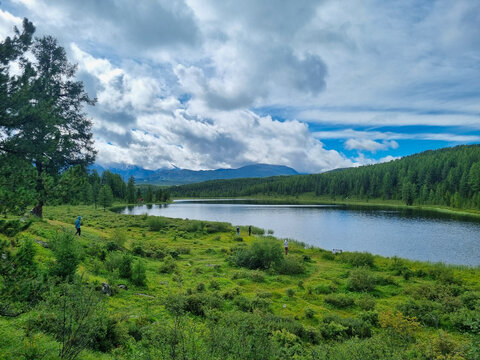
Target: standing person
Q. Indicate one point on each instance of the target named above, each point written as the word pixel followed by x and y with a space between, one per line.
pixel 238 230
pixel 77 226
pixel 250 230
pixel 285 245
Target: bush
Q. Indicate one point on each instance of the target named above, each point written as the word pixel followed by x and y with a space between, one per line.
pixel 471 300
pixel 199 303
pixel 366 303
pixel 217 227
pixel 427 312
pixel 398 325
pixel 309 313
pixel 67 255
pixel 324 289
pixel 139 273
pixel 290 266
pixel 119 237
pixel 466 320
pixel 340 301
pixel 113 261
pixel 168 265
pixel 361 279
pixel 156 223
pixel 444 274
pixel 357 258
pixel 262 254
pixel 125 268
pixel 11 228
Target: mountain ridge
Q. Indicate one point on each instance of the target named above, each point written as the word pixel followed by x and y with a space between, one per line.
pixel 177 176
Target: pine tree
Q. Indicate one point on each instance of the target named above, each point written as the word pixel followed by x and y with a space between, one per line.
pixel 42 118
pixel 105 196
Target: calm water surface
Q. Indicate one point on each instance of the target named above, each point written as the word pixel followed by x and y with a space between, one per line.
pixel 408 234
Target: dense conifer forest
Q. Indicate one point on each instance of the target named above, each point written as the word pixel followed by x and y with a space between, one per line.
pixel 445 177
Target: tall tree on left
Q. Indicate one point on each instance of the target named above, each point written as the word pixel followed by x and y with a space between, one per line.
pixel 42 118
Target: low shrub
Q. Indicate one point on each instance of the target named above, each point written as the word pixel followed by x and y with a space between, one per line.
pixel 309 313
pixel 471 300
pixel 217 227
pixel 366 303
pixel 156 223
pixel 324 289
pixel 399 325
pixel 168 266
pixel 11 228
pixel 139 273
pixel 466 320
pixel 361 279
pixel 357 258
pixel 427 312
pixel 261 254
pixel 290 266
pixel 340 301
pixel 335 327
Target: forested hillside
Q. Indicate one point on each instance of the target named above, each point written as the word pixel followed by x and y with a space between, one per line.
pixel 447 177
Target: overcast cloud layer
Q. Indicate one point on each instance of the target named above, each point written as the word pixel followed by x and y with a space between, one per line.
pixel 314 85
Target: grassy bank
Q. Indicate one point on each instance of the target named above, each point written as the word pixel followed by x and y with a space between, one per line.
pixel 209 294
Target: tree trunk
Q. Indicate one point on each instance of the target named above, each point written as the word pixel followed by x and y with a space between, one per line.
pixel 38 209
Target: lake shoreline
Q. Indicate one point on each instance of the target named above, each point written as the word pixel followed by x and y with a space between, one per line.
pixel 361 203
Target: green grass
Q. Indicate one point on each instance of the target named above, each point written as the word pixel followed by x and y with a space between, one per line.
pixel 202 270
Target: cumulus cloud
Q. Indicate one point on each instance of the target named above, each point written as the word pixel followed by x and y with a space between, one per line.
pixel 369 145
pixel 201 84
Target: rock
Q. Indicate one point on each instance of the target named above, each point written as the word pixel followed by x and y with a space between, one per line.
pixel 123 287
pixel 43 243
pixel 106 289
pixel 141 294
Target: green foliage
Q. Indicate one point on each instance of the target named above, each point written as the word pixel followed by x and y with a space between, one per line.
pixel 357 258
pixel 43 122
pixel 366 303
pixel 361 279
pixel 73 313
pixel 261 254
pixel 340 301
pixel 156 223
pixel 290 266
pixel 125 266
pixel 168 265
pixel 139 273
pixel 13 227
pixel 105 196
pixel 119 237
pixel 67 255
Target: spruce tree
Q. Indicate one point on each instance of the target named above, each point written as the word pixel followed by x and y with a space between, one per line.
pixel 42 119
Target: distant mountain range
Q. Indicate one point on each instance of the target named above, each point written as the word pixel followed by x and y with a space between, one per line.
pixel 178 176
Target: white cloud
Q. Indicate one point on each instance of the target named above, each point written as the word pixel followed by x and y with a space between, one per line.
pixel 178 82
pixel 369 145
pixel 7 22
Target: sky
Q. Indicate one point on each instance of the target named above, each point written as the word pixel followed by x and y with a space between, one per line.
pixel 314 85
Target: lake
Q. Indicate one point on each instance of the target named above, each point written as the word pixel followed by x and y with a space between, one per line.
pixel 411 234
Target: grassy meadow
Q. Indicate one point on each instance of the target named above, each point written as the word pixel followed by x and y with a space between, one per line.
pixel 185 289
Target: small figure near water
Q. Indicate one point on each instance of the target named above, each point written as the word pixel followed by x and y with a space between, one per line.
pixel 250 230
pixel 285 245
pixel 77 226
pixel 238 230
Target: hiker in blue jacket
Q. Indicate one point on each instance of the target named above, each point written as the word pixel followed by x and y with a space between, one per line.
pixel 77 226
